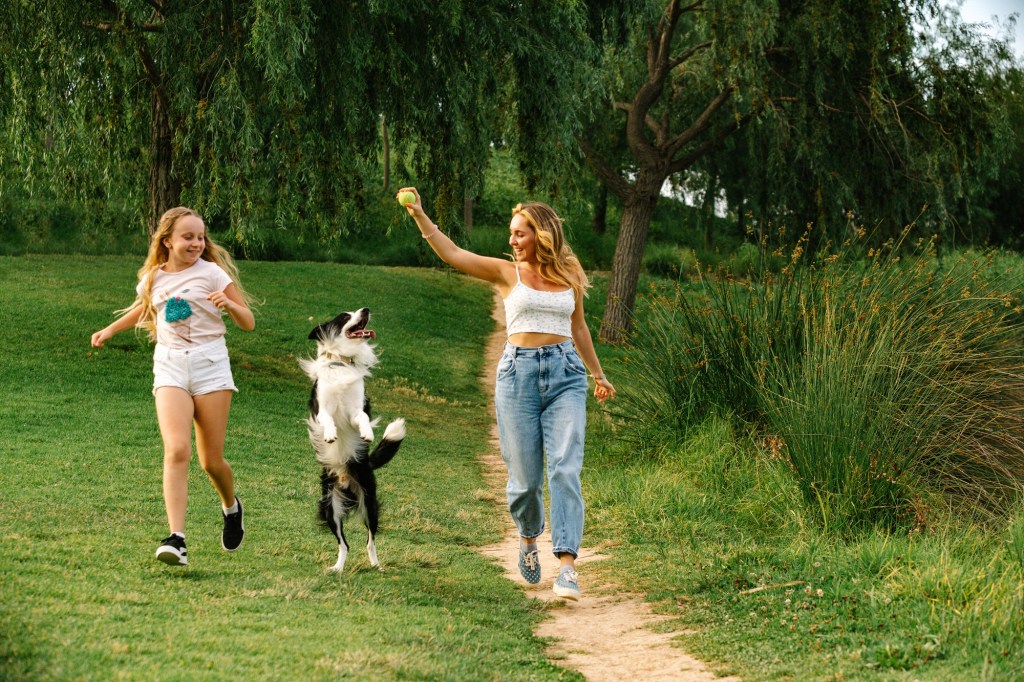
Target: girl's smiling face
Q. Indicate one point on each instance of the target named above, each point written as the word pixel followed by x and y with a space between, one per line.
pixel 522 239
pixel 186 243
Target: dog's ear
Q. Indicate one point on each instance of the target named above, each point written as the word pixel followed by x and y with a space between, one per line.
pixel 317 333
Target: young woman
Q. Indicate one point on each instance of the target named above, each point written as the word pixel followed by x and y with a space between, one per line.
pixel 541 386
pixel 185 285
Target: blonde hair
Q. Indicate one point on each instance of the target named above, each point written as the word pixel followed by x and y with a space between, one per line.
pixel 159 254
pixel 556 261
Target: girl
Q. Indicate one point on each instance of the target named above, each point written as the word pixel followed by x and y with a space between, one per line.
pixel 541 389
pixel 185 285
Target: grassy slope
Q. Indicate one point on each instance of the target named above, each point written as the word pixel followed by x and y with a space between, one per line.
pixel 80 468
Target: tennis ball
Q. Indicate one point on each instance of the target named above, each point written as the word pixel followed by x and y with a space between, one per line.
pixel 405 198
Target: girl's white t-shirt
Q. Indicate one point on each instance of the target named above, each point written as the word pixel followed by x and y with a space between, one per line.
pixel 184 316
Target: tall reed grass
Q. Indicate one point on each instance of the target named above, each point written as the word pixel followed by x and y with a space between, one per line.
pixel 889 385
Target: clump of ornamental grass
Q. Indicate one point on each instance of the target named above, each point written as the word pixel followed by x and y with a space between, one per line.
pixel 887 383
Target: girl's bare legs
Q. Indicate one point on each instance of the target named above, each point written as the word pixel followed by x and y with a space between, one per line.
pixel 211 417
pixel 174 412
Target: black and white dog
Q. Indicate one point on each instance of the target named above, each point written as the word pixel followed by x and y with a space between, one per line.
pixel 340 427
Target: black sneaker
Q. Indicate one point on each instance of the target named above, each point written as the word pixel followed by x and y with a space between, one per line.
pixel 231 538
pixel 172 551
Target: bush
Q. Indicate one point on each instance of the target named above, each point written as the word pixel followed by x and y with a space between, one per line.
pixel 670 261
pixel 886 385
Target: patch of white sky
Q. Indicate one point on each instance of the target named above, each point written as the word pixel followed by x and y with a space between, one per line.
pixel 993 18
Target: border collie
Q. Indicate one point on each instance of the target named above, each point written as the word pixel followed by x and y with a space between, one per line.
pixel 340 428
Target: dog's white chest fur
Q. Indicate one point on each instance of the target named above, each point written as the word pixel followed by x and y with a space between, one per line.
pixel 340 389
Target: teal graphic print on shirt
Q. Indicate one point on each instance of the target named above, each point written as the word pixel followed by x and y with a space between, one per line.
pixel 177 309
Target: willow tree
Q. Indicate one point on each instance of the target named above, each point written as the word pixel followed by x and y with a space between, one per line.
pixel 268 112
pixel 828 89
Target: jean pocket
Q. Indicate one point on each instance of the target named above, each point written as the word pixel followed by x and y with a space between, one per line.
pixel 506 366
pixel 574 364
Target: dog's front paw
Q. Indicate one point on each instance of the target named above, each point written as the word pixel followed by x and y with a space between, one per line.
pixel 366 434
pixel 330 435
pixel 336 568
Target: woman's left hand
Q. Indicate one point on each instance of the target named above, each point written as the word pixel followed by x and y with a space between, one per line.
pixel 603 389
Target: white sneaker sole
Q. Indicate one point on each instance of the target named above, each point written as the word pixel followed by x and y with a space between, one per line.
pixel 171 556
pixel 566 593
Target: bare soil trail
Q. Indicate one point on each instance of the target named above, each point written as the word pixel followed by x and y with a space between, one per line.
pixel 607 635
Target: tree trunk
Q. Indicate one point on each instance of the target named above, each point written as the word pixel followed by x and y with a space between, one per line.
pixel 708 209
pixel 467 214
pixel 600 223
pixel 386 145
pixel 617 324
pixel 164 187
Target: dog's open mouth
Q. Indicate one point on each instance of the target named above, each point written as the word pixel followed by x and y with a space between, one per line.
pixel 361 332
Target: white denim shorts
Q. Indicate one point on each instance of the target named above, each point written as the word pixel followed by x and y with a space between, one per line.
pixel 198 370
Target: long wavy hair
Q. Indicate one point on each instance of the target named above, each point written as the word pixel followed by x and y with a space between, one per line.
pixel 159 254
pixel 555 258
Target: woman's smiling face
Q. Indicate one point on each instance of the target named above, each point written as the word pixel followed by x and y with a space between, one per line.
pixel 522 239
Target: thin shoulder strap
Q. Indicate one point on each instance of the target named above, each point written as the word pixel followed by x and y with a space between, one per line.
pixel 518 279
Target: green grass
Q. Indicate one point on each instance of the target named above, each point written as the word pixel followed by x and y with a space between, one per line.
pixel 80 470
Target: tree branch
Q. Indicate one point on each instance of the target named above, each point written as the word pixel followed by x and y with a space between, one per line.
pixel 109 26
pixel 725 131
pixel 149 66
pixel 679 59
pixel 157 6
pixel 700 124
pixel 604 172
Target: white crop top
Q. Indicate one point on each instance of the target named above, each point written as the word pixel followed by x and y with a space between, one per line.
pixel 542 312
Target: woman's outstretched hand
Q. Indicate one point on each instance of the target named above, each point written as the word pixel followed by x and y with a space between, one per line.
pixel 410 206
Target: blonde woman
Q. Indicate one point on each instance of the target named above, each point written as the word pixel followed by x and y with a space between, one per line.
pixel 185 285
pixel 541 384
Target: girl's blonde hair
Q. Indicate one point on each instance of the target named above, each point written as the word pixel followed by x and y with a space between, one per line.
pixel 556 260
pixel 159 254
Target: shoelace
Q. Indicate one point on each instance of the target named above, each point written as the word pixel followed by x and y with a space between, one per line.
pixel 570 576
pixel 532 561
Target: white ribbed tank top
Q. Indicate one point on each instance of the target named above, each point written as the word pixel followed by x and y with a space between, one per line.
pixel 541 312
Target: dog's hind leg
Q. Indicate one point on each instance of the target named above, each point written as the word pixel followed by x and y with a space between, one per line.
pixel 333 512
pixel 336 526
pixel 372 514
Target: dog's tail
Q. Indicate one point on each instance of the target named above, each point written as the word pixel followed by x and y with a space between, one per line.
pixel 389 444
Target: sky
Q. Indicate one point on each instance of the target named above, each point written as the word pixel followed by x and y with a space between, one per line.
pixel 981 12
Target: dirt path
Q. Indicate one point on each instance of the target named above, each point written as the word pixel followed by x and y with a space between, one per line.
pixel 606 635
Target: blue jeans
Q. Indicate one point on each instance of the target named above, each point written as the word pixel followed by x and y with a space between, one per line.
pixel 541 400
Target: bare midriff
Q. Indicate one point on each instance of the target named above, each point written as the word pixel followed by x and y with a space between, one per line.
pixel 534 339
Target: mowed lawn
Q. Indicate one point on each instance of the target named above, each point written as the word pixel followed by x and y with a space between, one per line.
pixel 81 512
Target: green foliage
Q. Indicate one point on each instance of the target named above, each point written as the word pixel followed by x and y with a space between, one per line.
pixel 880 383
pixel 34 226
pixel 275 108
pixel 666 260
